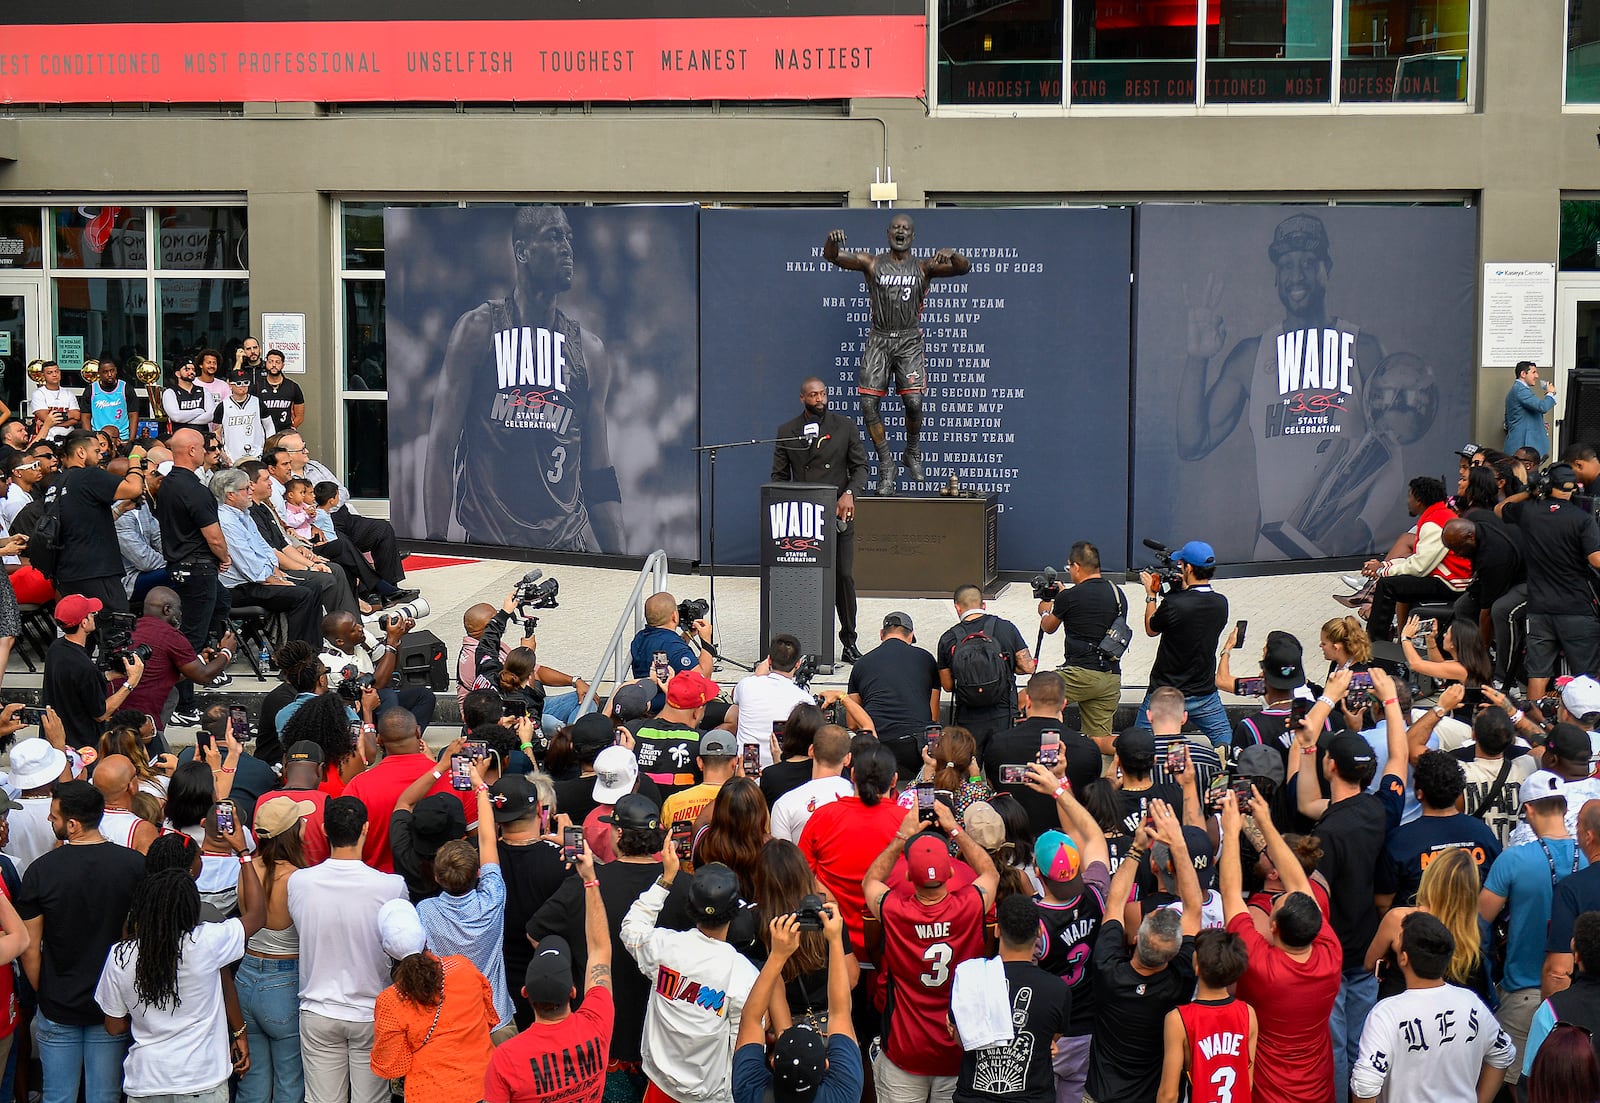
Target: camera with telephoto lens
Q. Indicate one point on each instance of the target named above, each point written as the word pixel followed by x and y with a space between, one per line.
pixel 808 916
pixel 354 683
pixel 1168 570
pixel 531 594
pixel 693 609
pixel 397 614
pixel 1046 585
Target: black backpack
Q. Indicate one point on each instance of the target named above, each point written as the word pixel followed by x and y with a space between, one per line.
pixel 44 543
pixel 980 670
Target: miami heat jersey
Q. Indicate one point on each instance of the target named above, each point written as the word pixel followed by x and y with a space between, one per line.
pixel 922 945
pixel 897 289
pixel 1066 939
pixel 518 461
pixel 1219 1050
pixel 1305 411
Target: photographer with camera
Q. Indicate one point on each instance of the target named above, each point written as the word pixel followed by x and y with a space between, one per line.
pixel 168 655
pixel 345 646
pixel 518 676
pixel 660 648
pixel 1561 548
pixel 73 685
pixel 1189 622
pixel 1086 610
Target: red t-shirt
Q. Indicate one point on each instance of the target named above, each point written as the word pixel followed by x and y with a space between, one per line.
pixel 313 836
pixel 1293 1002
pixel 922 945
pixel 379 788
pixel 8 989
pixel 1219 1051
pixel 561 1062
pixel 840 841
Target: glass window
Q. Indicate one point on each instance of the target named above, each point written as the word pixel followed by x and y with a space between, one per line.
pixel 203 237
pixel 201 313
pixel 99 237
pixel 363 235
pixel 1583 51
pixel 1135 51
pixel 366 447
pixel 363 336
pixel 1269 51
pixel 111 315
pixel 1580 235
pixel 1404 51
pixel 19 238
pixel 1000 51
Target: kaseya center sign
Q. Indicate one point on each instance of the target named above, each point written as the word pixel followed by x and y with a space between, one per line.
pixel 189 51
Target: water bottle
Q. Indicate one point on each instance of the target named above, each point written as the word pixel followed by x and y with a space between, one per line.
pixel 266 656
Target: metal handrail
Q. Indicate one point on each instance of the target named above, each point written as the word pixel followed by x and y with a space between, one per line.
pixel 655 574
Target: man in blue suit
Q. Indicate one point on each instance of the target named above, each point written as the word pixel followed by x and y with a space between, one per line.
pixel 1525 411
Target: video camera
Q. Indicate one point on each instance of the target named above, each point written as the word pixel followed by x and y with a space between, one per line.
pixel 116 642
pixel 1046 585
pixel 1168 570
pixel 691 610
pixel 531 594
pixel 804 671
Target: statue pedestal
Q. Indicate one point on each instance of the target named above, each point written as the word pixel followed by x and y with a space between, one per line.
pixel 925 547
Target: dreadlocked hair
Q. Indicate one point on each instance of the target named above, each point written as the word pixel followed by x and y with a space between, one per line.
pixel 419 979
pixel 164 909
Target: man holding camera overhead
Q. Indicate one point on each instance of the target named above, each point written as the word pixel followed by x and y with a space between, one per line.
pixel 659 649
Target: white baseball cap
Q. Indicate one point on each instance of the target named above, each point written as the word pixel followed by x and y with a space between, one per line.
pixel 1541 785
pixel 615 771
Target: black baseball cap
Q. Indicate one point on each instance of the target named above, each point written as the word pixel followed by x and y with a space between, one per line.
pixel 436 820
pixel 1136 745
pixel 713 894
pixel 514 798
pixel 800 1061
pixel 898 620
pixel 592 731
pixel 549 975
pixel 1282 665
pixel 305 751
pixel 1350 754
pixel 634 810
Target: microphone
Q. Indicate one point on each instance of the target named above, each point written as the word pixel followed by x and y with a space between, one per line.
pixel 1154 546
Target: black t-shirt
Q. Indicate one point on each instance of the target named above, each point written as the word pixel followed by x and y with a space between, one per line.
pixel 276 400
pixel 1134 804
pixel 575 796
pixel 895 681
pixel 533 872
pixel 1557 540
pixel 1020 745
pixel 88 533
pixel 83 893
pixel 76 689
pixel 1020 1069
pixel 1497 561
pixel 667 751
pixel 1128 1043
pixel 1190 623
pixel 184 507
pixel 782 777
pixel 621 883
pixel 1352 833
pixel 1067 935
pixel 1085 612
pixel 983 721
pixel 269 747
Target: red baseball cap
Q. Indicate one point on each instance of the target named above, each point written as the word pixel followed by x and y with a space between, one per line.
pixel 927 861
pixel 689 689
pixel 74 608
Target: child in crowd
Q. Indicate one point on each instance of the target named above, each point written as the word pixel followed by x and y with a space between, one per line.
pixel 1211 1041
pixel 303 513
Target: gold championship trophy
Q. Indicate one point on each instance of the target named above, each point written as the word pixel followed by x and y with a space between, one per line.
pixel 147 372
pixel 1400 401
pixel 90 372
pixel 36 372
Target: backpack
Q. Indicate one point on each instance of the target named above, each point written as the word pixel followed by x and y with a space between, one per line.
pixel 980 670
pixel 44 543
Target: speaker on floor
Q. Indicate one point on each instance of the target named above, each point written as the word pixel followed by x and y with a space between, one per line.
pixel 424 660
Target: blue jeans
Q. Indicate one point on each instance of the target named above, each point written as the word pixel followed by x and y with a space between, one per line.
pixel 1205 712
pixel 559 711
pixel 1357 993
pixel 269 996
pixel 68 1054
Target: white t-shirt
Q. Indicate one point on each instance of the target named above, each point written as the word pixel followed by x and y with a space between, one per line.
pixel 243 438
pixel 1577 793
pixel 1428 1043
pixel 178 1050
pixel 762 699
pixel 342 964
pixel 794 808
pixel 31 834
pixel 42 399
pixel 15 500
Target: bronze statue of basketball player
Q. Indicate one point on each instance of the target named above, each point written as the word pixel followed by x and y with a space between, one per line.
pixel 896 285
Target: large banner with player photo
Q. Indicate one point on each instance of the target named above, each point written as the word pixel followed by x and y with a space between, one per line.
pixel 1026 362
pixel 542 373
pixel 1295 367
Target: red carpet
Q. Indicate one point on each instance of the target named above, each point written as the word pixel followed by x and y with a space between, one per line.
pixel 423 562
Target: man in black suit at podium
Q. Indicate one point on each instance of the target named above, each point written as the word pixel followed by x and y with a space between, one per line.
pixel 830 452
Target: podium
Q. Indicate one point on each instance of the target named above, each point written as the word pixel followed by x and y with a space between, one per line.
pixel 925 547
pixel 799 547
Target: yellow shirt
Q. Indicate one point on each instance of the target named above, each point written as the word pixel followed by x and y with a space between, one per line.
pixel 687 804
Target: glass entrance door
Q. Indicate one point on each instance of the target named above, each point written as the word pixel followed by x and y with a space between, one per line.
pixel 21 339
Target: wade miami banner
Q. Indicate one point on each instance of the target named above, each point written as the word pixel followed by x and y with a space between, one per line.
pixel 1027 362
pixel 1295 367
pixel 189 51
